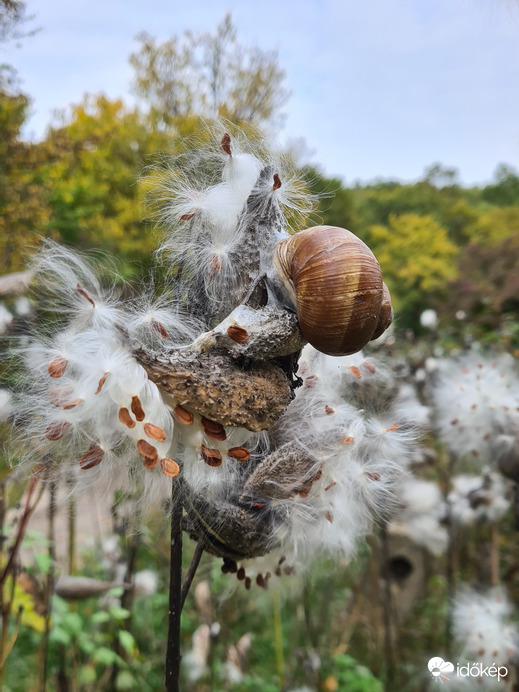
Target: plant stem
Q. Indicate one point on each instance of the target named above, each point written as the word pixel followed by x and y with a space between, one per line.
pixel 71 536
pixel 175 591
pixel 386 613
pixel 278 640
pixel 44 648
pixel 190 574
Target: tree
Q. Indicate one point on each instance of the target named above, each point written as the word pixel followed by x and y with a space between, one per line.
pixel 417 259
pixel 208 75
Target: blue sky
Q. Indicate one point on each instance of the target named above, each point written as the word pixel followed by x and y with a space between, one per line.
pixel 380 88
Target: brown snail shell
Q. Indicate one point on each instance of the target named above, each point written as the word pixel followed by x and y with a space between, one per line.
pixel 334 282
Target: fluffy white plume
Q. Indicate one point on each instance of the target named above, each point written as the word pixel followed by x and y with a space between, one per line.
pixel 486 635
pixel 478 498
pixel 421 515
pixel 476 398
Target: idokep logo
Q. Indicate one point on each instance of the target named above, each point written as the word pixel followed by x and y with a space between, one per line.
pixel 439 668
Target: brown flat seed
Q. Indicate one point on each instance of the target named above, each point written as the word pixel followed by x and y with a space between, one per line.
pixel 219 436
pixel 330 485
pixel 260 581
pixel 212 457
pixel 247 583
pixel 329 516
pixel 369 367
pixel 226 143
pixel 239 453
pixel 159 328
pixel 355 372
pixel 183 415
pixel 71 404
pixel 373 476
pixel 83 293
pixel 277 182
pixel 238 334
pixel 241 573
pixel 101 383
pixel 57 366
pixel 348 440
pixel 137 408
pixel 92 457
pixel 150 463
pixel 125 418
pixel 147 450
pixel 59 395
pixel 154 432
pixel 169 467
pixel 329 410
pixel 394 427
pixel 187 217
pixel 55 431
pixel 318 475
pixel 303 494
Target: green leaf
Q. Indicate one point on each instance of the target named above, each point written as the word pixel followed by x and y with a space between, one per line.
pixel 73 623
pixel 105 656
pixel 59 636
pixel 87 675
pixel 125 681
pixel 100 617
pixel 119 613
pixel 127 640
pixel 43 561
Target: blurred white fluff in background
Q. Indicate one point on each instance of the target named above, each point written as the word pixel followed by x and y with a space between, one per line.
pixel 422 514
pixel 476 398
pixel 485 634
pixel 478 498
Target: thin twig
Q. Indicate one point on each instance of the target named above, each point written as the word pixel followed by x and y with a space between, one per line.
pixel 190 574
pixel 175 591
pixel 44 647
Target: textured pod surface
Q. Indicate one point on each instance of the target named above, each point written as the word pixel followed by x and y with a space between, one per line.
pixel 336 285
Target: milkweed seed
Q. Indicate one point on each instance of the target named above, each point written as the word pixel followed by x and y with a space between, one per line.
pixel 57 366
pixel 355 372
pixel 238 334
pixel 373 476
pixel 101 383
pixel 137 408
pixel 239 453
pixel 348 440
pixel 187 217
pixel 277 182
pixel 212 457
pixel 159 328
pixel 82 292
pixel 92 457
pixel 329 410
pixel 214 429
pixel 55 431
pixel 154 432
pixel 394 427
pixel 260 581
pixel 125 418
pixel 318 475
pixel 247 583
pixel 149 463
pixel 169 467
pixel 330 485
pixel 71 404
pixel 147 450
pixel 183 415
pixel 241 573
pixel 226 144
pixel 329 516
pixel 369 367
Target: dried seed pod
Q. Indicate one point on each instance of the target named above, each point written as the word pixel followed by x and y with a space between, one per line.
pixel 212 457
pixel 238 334
pixel 239 453
pixel 169 467
pixel 154 432
pixel 333 281
pixel 57 366
pixel 183 415
pixel 92 457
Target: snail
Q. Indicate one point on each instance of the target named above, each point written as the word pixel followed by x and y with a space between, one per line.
pixel 334 283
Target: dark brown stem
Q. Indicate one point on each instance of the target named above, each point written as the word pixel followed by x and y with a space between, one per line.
pixel 190 574
pixel 173 656
pixel 13 552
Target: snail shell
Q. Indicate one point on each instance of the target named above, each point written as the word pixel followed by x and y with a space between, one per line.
pixel 334 283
